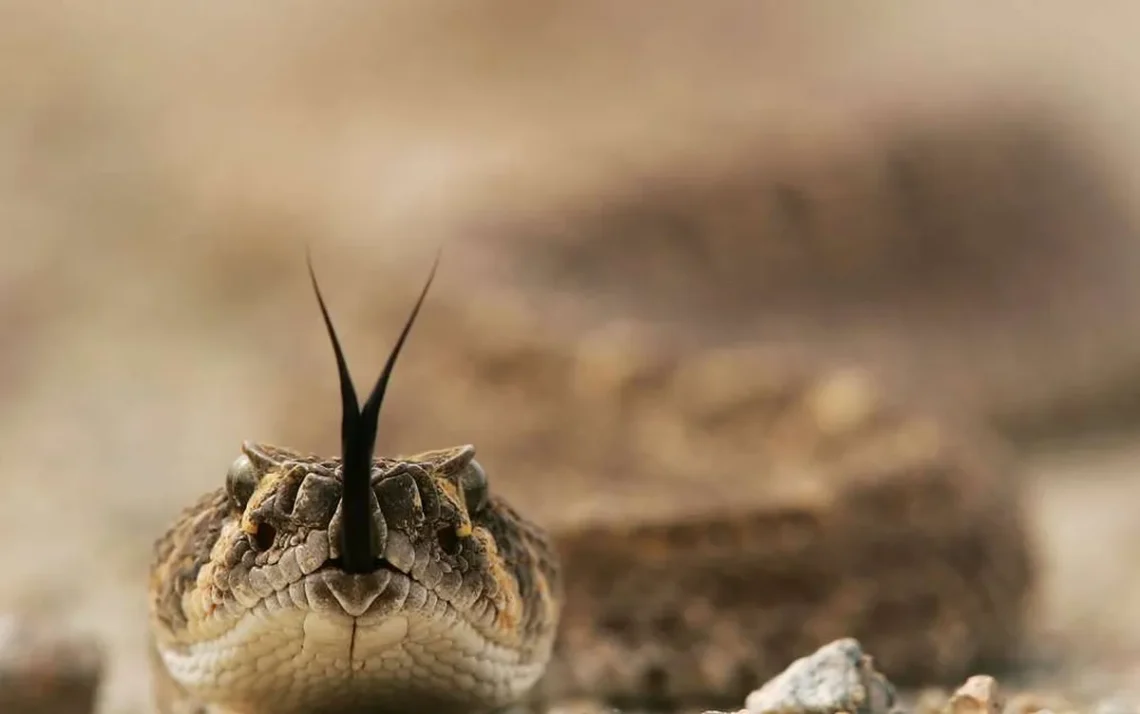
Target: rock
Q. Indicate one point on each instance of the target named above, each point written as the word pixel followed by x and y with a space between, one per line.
pixel 979 695
pixel 838 677
pixel 47 670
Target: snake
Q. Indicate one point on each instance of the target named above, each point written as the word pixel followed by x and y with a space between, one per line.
pixel 390 585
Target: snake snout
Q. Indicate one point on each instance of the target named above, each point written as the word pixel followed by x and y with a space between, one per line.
pixel 403 506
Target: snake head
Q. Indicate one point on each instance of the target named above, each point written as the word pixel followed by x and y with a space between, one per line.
pixel 461 590
pixel 432 527
pixel 422 510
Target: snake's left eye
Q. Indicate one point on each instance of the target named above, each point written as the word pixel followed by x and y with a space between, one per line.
pixel 241 481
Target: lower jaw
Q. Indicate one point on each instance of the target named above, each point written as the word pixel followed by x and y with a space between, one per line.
pixel 332 661
pixel 365 636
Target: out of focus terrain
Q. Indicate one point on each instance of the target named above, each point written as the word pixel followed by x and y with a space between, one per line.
pixel 939 193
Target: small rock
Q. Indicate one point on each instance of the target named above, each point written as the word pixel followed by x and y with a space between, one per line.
pixel 45 670
pixel 979 695
pixel 838 677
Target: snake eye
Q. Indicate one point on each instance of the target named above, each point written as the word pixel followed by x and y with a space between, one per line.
pixel 474 483
pixel 241 480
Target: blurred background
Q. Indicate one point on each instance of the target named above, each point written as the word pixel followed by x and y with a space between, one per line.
pixel 939 193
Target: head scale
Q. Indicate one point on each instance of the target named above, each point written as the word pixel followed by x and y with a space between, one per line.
pixel 358 439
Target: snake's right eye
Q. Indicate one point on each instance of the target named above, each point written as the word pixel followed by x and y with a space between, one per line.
pixel 475 491
pixel 241 480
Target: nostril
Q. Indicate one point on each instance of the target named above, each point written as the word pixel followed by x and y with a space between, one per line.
pixel 448 540
pixel 264 537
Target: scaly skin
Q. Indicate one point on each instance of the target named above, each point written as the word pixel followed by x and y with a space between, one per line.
pixel 706 565
pixel 251 612
pixel 894 534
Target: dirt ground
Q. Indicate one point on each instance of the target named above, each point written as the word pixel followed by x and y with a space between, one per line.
pixel 163 172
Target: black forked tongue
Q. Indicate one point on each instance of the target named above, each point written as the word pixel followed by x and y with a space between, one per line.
pixel 358 439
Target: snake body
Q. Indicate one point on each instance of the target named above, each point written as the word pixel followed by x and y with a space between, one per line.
pixel 351 584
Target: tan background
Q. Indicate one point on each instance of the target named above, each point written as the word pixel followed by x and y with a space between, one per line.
pixel 165 165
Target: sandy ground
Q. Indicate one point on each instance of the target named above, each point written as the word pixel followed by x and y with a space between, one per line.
pixel 164 166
